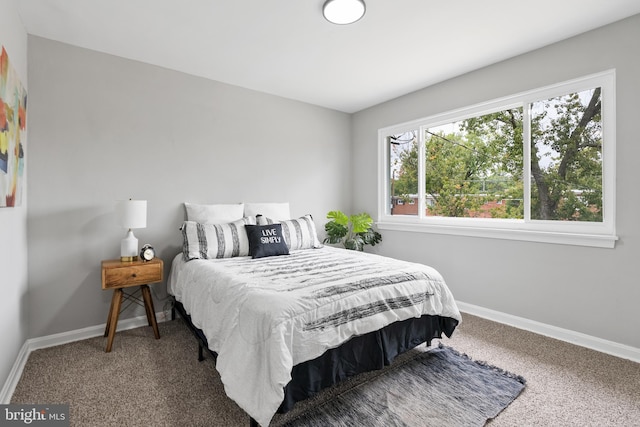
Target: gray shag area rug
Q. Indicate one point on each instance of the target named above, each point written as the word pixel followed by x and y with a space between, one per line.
pixel 441 387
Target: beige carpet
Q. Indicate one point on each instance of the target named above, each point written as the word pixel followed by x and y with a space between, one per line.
pixel 148 382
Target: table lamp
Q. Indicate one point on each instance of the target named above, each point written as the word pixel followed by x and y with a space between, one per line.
pixel 131 214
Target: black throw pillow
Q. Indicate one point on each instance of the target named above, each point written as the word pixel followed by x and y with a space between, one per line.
pixel 266 240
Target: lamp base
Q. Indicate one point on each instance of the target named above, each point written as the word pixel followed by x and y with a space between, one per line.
pixel 129 247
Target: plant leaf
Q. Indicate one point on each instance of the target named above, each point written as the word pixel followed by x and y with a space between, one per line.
pixel 338 217
pixel 335 232
pixel 361 222
pixel 371 237
pixel 355 243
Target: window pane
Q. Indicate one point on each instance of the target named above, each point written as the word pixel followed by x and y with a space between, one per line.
pixel 403 170
pixel 566 157
pixel 474 167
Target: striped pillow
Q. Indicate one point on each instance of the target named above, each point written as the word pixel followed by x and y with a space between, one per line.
pixel 205 241
pixel 298 233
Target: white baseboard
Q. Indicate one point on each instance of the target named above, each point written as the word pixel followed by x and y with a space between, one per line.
pixel 577 338
pixel 59 339
pixel 15 374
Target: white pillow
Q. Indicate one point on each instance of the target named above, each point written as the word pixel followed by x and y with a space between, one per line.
pixel 214 214
pixel 207 241
pixel 277 211
pixel 298 233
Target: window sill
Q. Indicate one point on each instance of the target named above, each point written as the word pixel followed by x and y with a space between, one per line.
pixel 576 239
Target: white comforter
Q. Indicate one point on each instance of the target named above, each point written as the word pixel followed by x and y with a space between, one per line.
pixel 263 316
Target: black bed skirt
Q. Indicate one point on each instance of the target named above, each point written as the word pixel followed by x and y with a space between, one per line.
pixel 363 353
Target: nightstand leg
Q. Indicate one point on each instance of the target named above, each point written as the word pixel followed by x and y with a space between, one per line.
pixel 146 305
pixel 106 329
pixel 112 322
pixel 151 313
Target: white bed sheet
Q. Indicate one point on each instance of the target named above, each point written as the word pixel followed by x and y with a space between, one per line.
pixel 263 316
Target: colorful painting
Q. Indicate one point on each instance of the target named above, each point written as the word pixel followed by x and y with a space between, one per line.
pixel 13 126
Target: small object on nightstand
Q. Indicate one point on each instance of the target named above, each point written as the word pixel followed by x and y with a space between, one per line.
pixel 147 253
pixel 116 275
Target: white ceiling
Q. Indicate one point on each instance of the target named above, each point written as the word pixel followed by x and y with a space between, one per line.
pixel 286 47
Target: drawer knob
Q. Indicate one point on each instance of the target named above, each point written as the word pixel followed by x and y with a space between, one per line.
pixel 134 275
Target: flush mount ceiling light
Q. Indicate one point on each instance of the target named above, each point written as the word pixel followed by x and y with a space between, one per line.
pixel 343 11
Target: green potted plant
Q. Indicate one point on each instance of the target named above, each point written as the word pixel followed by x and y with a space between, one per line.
pixel 354 232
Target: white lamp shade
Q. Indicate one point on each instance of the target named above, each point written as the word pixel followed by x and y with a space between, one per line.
pixel 343 11
pixel 132 213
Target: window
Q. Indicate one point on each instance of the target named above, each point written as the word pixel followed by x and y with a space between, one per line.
pixel 534 166
pixel 470 166
pixel 403 172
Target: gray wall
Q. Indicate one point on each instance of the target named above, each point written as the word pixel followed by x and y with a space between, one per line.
pixel 588 290
pixel 104 128
pixel 13 221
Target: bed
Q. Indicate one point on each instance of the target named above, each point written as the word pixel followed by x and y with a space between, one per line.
pixel 284 327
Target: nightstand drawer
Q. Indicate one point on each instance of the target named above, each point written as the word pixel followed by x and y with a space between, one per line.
pixel 125 275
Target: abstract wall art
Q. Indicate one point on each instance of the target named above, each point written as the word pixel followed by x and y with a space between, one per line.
pixel 13 127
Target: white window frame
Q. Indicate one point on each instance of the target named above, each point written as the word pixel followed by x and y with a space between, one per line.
pixel 601 234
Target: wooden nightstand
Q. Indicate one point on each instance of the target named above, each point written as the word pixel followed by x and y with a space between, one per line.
pixel 116 275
